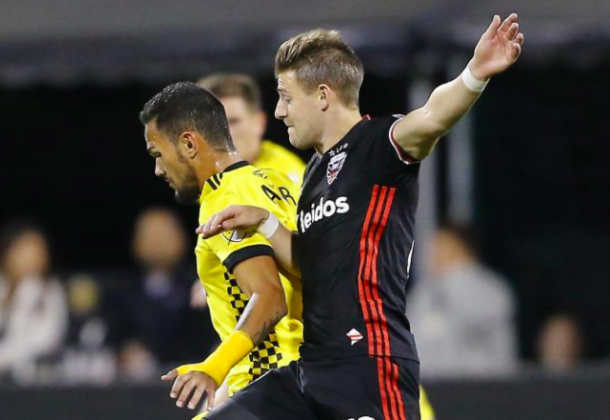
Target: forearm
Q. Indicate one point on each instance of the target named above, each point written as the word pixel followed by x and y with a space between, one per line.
pixel 284 248
pixel 263 312
pixel 448 103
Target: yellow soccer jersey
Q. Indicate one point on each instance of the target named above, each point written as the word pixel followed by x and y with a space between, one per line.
pixel 244 184
pixel 276 157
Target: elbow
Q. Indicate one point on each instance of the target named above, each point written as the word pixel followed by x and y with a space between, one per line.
pixel 279 303
pixel 282 307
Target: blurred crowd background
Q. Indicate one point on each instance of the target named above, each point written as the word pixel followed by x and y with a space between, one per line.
pixel 97 275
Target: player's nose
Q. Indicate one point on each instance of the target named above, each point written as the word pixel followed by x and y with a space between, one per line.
pixel 159 171
pixel 280 111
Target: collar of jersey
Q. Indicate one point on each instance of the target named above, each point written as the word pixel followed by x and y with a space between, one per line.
pixel 340 142
pixel 213 182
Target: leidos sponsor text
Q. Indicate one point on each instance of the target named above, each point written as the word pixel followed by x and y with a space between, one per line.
pixel 322 209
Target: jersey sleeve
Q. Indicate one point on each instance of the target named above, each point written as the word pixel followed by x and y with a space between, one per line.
pixel 386 149
pixel 400 153
pixel 233 247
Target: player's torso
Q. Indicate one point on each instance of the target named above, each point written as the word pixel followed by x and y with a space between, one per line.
pixel 355 220
pixel 226 300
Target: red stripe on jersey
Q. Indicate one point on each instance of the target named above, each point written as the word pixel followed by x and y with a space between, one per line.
pixel 363 260
pixel 384 339
pixel 383 383
pixel 401 404
pixel 372 304
pixel 370 272
pixel 364 292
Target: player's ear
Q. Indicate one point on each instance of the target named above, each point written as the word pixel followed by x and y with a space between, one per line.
pixel 324 96
pixel 189 143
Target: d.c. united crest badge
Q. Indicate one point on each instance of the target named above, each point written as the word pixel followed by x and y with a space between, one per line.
pixel 334 166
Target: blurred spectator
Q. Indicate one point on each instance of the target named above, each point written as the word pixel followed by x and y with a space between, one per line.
pixel 88 357
pixel 463 316
pixel 152 323
pixel 561 343
pixel 33 310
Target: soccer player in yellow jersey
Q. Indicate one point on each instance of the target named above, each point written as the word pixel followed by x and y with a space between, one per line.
pixel 255 310
pixel 241 98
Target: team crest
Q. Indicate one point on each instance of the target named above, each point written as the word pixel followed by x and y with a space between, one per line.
pixel 334 166
pixel 234 235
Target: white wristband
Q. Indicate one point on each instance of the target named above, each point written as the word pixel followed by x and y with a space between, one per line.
pixel 269 226
pixel 471 82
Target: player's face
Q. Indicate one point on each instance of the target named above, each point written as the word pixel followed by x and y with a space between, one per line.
pixel 247 126
pixel 172 165
pixel 299 110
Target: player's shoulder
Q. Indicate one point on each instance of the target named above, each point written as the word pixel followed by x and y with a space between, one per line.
pixel 379 125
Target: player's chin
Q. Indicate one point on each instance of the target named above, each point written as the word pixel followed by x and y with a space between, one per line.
pixel 294 141
pixel 186 196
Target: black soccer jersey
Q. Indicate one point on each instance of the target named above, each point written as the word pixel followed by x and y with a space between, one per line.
pixel 356 219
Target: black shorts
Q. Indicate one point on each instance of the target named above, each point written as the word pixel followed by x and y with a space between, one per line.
pixel 365 388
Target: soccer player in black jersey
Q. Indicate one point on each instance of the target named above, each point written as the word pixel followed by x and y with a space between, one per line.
pixel 355 230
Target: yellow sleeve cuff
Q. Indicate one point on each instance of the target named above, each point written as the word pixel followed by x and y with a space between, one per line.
pixel 221 361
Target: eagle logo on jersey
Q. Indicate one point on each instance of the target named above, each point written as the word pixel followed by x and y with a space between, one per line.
pixel 334 166
pixel 234 235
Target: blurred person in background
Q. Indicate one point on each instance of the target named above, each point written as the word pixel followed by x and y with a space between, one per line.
pixel 88 356
pixel 241 98
pixel 33 308
pixel 463 315
pixel 561 343
pixel 151 321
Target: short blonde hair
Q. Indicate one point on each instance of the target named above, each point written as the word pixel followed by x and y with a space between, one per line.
pixel 322 57
pixel 234 85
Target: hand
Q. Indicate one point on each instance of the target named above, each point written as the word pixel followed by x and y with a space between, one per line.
pixel 498 49
pixel 186 383
pixel 233 218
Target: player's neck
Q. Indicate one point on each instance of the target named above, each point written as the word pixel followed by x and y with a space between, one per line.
pixel 216 164
pixel 337 126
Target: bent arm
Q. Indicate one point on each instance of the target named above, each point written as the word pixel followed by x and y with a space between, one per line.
pixel 249 218
pixel 259 279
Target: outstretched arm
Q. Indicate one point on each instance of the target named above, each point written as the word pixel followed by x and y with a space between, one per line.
pixel 249 218
pixel 498 49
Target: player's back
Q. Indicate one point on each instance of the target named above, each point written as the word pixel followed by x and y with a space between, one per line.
pixel 244 184
pixel 276 157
